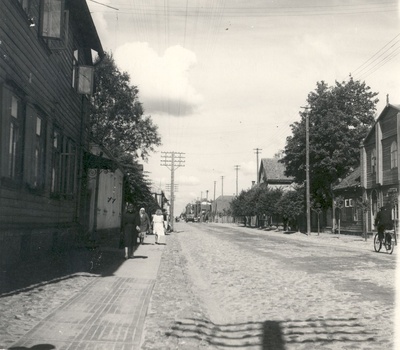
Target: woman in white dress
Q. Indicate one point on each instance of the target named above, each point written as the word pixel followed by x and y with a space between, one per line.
pixel 158 227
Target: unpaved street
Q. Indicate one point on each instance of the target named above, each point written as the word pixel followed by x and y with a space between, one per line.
pixel 222 286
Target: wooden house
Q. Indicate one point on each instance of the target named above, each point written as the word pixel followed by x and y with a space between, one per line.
pixel 46 68
pixel 272 172
pixel 220 209
pixel 349 211
pixel 380 164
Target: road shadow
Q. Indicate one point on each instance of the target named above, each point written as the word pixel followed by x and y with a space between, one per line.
pixel 139 257
pixel 275 335
pixel 35 347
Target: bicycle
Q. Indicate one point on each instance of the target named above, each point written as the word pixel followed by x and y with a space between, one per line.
pixel 388 246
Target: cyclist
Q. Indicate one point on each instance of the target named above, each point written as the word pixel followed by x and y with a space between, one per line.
pixel 383 221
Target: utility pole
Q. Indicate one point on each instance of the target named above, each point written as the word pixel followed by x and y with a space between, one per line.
pixel 173 161
pixel 308 171
pixel 237 167
pixel 207 195
pixel 215 183
pixel 222 186
pixel 257 151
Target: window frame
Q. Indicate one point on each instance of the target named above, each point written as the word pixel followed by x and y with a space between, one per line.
pixel 12 123
pixel 373 161
pixel 393 155
pixel 52 19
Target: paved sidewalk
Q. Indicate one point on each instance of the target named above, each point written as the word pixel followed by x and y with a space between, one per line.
pixel 108 313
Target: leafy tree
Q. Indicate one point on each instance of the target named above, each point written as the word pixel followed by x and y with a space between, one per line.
pixel 339 118
pixel 241 205
pixel 118 123
pixel 117 116
pixel 267 201
pixel 290 206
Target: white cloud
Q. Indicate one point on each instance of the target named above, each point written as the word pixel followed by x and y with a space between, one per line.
pixel 163 81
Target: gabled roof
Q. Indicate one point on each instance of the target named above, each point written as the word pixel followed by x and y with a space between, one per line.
pixel 274 171
pixel 222 202
pixel 383 113
pixel 353 180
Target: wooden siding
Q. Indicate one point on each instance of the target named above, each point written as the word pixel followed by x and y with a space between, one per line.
pixel 43 78
pixel 389 174
pixel 371 177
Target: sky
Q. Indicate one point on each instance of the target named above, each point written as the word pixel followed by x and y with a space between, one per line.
pixel 224 80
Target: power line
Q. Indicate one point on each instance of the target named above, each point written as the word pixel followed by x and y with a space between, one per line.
pixel 365 67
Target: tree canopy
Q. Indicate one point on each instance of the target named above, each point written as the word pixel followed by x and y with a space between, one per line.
pixel 118 123
pixel 117 116
pixel 339 118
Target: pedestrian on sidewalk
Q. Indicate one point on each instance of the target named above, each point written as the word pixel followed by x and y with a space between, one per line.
pixel 130 228
pixel 144 224
pixel 159 227
pixel 165 215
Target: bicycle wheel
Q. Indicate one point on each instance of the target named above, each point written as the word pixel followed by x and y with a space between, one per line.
pixel 377 243
pixel 389 247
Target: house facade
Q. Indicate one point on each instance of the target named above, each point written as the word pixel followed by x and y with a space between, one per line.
pixel 348 212
pixel 46 70
pixel 380 164
pixel 272 172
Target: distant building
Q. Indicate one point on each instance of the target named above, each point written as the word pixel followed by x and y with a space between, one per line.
pixel 272 172
pixel 220 209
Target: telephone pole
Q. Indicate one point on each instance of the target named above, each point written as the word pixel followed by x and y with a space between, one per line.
pixel 308 170
pixel 173 161
pixel 222 186
pixel 257 151
pixel 237 167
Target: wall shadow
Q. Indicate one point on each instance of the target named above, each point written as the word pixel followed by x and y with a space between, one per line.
pixel 101 260
pixel 277 335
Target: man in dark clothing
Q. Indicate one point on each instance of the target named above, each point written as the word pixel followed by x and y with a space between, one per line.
pixel 130 229
pixel 383 221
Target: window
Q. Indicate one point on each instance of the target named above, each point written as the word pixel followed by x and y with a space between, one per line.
pixel 393 155
pixel 85 83
pixel 38 164
pixel 67 168
pixel 35 148
pixel 348 203
pixel 52 15
pixel 75 61
pixel 82 76
pixel 373 161
pixel 55 168
pixel 12 135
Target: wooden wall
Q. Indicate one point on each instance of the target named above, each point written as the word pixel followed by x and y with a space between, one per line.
pixel 42 77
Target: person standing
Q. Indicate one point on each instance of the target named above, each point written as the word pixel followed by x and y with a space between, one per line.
pixel 158 226
pixel 165 215
pixel 144 224
pixel 130 230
